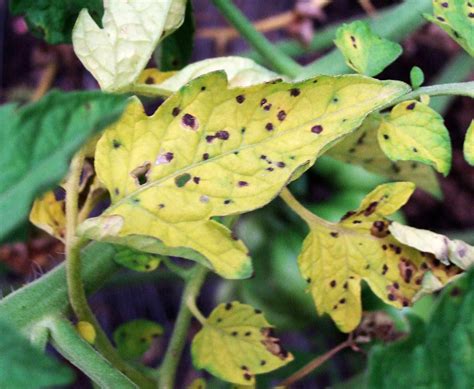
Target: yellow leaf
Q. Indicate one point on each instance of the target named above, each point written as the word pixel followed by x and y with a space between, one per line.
pixel 212 151
pixel 469 144
pixel 362 148
pixel 236 343
pixel 87 331
pixel 336 257
pixel 415 132
pixel 198 383
pixel 48 214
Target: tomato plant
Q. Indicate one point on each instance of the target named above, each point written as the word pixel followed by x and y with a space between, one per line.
pixel 228 138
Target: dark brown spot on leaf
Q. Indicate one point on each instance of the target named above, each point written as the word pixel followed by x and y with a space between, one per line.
pixel 242 183
pixel 175 111
pixel 281 115
pixel 269 127
pixel 240 99
pixel 317 129
pixel 190 121
pixel 411 106
pixel 149 80
pixel 294 92
pixel 205 156
pixel 333 283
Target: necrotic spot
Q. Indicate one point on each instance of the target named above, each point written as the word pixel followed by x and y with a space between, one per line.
pixel 240 99
pixel 411 106
pixel 190 121
pixel 294 92
pixel 281 164
pixel 116 144
pixel 281 115
pixel 267 107
pixel 149 80
pixel 196 180
pixel 242 183
pixel 263 102
pixel 223 135
pixel 205 156
pixel 317 129
pixel 333 283
pixel 269 127
pixel 175 111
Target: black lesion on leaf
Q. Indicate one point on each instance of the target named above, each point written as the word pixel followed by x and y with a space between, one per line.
pixel 294 92
pixel 281 115
pixel 333 283
pixel 228 306
pixel 196 180
pixel 190 121
pixel 371 208
pixel 263 102
pixel 240 99
pixel 149 80
pixel 411 106
pixel 116 144
pixel 140 173
pixel 317 129
pixel 267 107
pixel 269 127
pixel 176 111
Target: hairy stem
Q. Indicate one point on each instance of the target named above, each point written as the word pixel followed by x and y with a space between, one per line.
pixel 301 211
pixel 77 294
pixel 167 371
pixel 315 363
pixel 274 56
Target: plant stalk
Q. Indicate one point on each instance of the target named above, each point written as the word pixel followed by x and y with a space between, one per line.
pixel 274 56
pixel 77 294
pixel 167 371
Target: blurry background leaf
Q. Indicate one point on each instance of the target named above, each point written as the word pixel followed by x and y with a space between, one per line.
pixel 135 337
pixel 136 260
pixel 437 354
pixel 176 49
pixel 53 20
pixel 42 137
pixel 23 366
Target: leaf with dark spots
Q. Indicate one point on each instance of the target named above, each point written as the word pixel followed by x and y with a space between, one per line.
pixel 135 337
pixel 244 345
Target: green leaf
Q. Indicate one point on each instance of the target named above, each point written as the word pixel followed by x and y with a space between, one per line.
pixel 135 337
pixel 415 132
pixel 41 139
pixel 136 260
pixel 435 355
pixel 364 51
pixel 445 250
pixel 214 151
pixel 54 20
pixel 117 53
pixel 469 144
pixel 417 77
pixel 336 257
pixel 23 366
pixel 236 343
pixel 177 48
pixel 362 148
pixel 456 18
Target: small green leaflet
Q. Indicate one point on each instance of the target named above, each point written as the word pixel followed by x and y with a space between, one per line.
pixel 54 20
pixel 438 354
pixel 456 17
pixel 41 139
pixel 364 51
pixel 136 260
pixel 23 366
pixel 236 343
pixel 135 337
pixel 415 132
pixel 469 145
pixel 417 77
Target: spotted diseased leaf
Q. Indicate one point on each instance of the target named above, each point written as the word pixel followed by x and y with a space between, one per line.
pixel 240 72
pixel 118 52
pixel 362 148
pixel 137 260
pixel 415 132
pixel 48 214
pixel 135 337
pixel 447 251
pixel 336 257
pixel 213 151
pixel 42 137
pixel 364 51
pixel 243 344
pixel 53 20
pixel 469 145
pixel 456 18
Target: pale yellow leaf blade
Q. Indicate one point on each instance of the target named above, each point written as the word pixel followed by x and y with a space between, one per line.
pixel 469 144
pixel 236 343
pixel 337 257
pixel 240 71
pixel 415 132
pixel 213 151
pixel 117 53
pixel 444 249
pixel 362 148
pixel 48 214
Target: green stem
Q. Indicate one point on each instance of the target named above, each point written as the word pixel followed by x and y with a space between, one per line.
pixel 278 60
pixel 76 291
pixel 455 89
pixel 74 348
pixel 167 372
